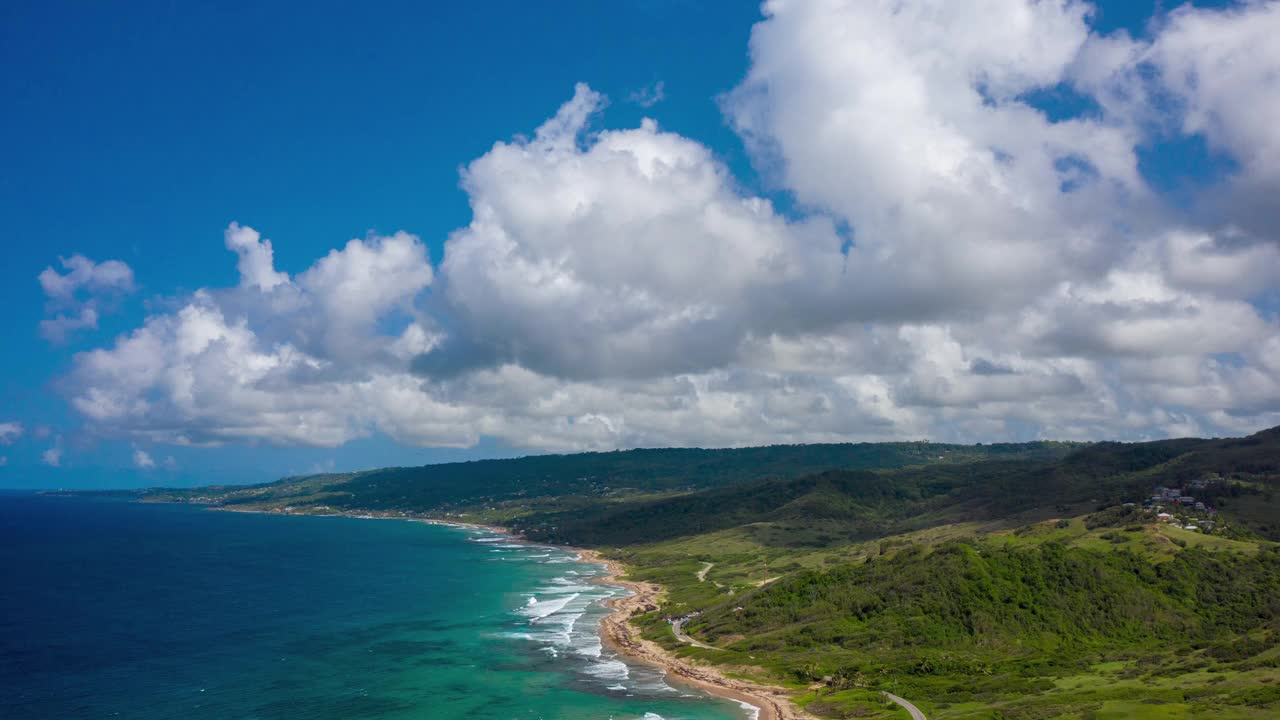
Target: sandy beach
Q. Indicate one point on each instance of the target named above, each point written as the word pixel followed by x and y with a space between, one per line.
pixel 618 633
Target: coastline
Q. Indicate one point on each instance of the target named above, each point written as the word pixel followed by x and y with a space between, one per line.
pixel 618 633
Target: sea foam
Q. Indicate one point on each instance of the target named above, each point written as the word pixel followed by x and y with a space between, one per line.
pixel 540 609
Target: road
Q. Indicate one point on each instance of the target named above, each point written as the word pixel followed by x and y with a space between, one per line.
pixel 677 627
pixel 702 574
pixel 915 711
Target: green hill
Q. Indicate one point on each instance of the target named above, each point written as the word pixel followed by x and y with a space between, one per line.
pixel 999 603
pixel 444 487
pixel 847 505
pixel 1041 630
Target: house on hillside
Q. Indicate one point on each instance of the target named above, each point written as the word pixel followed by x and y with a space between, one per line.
pixel 1165 517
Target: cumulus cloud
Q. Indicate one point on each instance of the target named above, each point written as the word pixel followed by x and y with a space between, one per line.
pixel 52 457
pixel 1222 65
pixel 84 274
pixel 142 460
pixel 10 431
pixel 964 263
pixel 629 253
pixel 73 298
pixel 277 358
pixel 1207 75
pixel 908 121
pixel 257 259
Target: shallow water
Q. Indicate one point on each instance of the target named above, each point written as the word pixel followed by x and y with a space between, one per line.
pixel 116 609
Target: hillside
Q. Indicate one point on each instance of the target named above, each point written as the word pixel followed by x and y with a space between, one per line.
pixel 847 505
pixel 988 623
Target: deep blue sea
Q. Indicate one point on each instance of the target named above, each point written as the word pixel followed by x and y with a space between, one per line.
pixel 114 609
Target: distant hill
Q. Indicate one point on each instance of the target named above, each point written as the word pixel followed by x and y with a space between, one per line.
pixel 439 488
pixel 849 505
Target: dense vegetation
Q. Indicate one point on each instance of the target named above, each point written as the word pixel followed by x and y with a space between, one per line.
pixel 998 602
pixel 846 505
pixel 1060 618
pixel 979 623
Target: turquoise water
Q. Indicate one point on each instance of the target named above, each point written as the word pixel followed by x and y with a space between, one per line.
pixel 114 609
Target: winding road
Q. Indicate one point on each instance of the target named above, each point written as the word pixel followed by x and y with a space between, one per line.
pixel 915 711
pixel 677 627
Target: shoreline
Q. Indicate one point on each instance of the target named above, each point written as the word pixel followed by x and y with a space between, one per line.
pixel 615 629
pixel 771 703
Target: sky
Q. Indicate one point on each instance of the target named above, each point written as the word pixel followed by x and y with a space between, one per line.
pixel 243 240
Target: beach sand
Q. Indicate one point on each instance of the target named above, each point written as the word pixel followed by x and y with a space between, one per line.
pixel 618 633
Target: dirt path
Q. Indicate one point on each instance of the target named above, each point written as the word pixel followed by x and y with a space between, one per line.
pixel 702 574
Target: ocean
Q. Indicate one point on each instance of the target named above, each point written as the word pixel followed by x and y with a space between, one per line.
pixel 115 609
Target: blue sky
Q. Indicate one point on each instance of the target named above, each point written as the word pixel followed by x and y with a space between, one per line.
pixel 139 131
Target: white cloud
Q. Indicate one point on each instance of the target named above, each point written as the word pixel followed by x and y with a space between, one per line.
pixel 142 460
pixel 629 253
pixel 1228 265
pixel 1006 273
pixel 60 327
pixel 906 121
pixel 648 96
pixel 1222 64
pixel 281 361
pixel 74 297
pixel 10 431
pixel 52 457
pixel 356 286
pixel 84 274
pixel 1207 74
pixel 257 259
